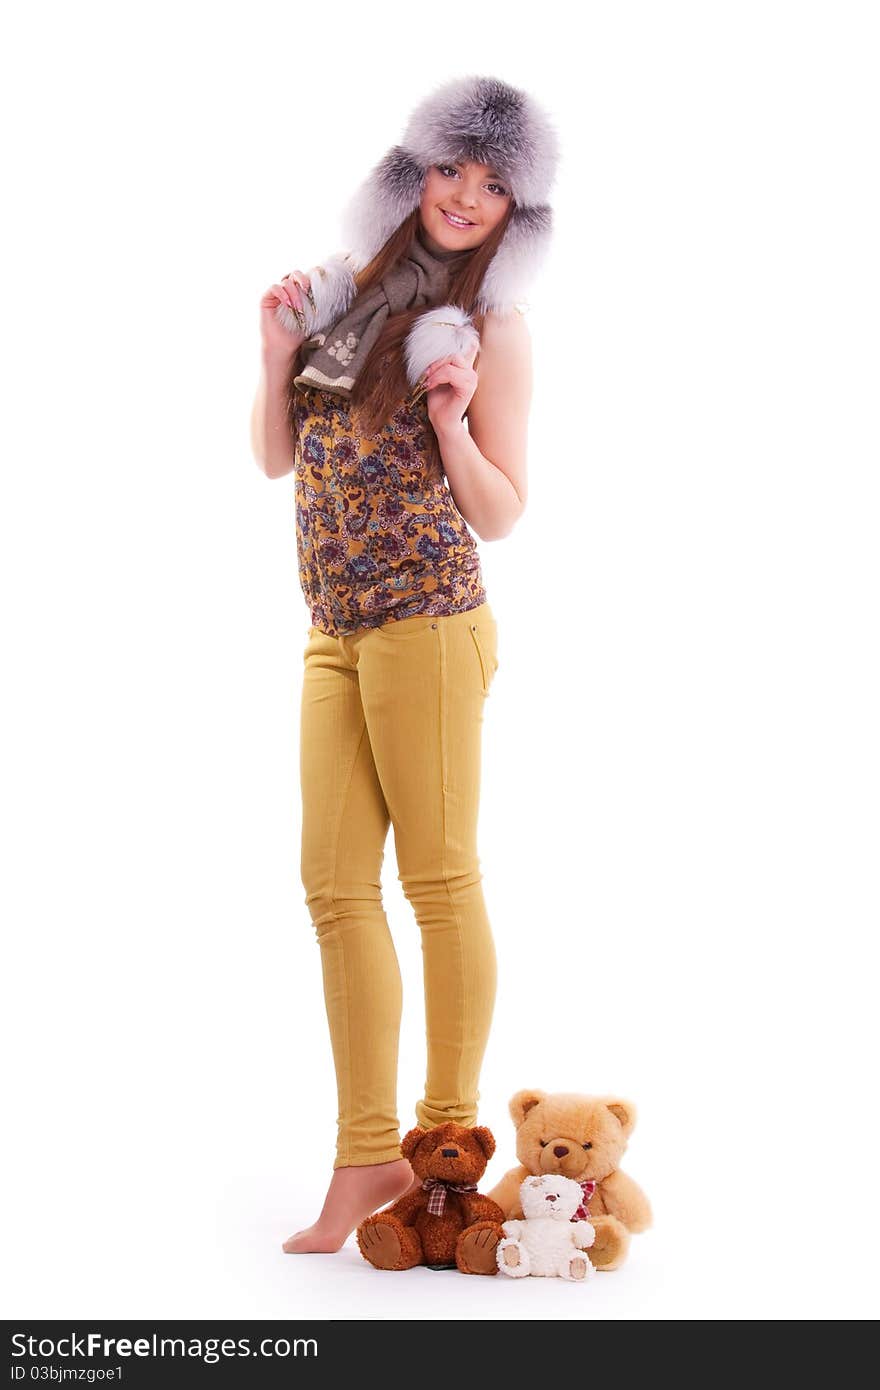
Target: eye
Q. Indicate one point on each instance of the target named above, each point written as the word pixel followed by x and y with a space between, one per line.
pixel 543 1143
pixel 586 1146
pixel 446 169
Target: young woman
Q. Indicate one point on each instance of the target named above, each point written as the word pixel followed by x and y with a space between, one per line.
pixel 370 365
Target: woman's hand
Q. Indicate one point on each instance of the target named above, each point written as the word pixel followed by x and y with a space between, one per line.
pixel 279 336
pixel 450 383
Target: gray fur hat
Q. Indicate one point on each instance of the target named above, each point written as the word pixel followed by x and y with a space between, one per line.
pixel 472 118
pixel 480 119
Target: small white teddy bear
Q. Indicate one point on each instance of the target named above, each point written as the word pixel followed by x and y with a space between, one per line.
pixel 547 1241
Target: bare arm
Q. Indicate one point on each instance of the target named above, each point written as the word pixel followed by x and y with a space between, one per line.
pixel 271 435
pixel 485 461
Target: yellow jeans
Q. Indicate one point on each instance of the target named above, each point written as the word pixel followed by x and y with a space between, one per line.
pixel 390 733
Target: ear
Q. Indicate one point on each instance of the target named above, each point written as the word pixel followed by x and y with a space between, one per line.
pixel 485 1138
pixel 410 1142
pixel 625 1112
pixel 520 1104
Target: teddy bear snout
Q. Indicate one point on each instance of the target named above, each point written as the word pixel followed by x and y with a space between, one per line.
pixel 449 1153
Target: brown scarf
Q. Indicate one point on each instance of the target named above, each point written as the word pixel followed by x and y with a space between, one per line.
pixel 333 359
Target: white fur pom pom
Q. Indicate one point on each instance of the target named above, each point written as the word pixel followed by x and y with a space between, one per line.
pixel 333 290
pixel 437 333
pixel 287 319
pixel 330 294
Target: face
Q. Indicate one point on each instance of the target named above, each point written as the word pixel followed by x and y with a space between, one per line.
pixel 473 192
pixel 579 1141
pixel 556 1197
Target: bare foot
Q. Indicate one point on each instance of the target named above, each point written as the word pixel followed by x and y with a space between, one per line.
pixel 354 1193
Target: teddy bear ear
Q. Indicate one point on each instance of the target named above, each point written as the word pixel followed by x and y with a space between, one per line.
pixel 485 1138
pixel 624 1111
pixel 520 1104
pixel 410 1142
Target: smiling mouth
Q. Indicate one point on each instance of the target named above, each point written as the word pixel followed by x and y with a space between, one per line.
pixel 450 218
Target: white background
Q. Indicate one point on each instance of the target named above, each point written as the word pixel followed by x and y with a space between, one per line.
pixel 679 824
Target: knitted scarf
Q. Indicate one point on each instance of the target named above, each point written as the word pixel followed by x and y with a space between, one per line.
pixel 332 359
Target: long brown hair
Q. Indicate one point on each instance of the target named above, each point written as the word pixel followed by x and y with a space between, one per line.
pixel 381 385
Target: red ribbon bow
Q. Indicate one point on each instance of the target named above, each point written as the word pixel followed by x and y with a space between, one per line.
pixel 583 1211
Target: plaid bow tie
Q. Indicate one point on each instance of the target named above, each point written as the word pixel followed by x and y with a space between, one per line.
pixel 583 1211
pixel 438 1187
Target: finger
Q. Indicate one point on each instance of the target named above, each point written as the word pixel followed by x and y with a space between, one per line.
pixel 300 279
pixel 456 363
pixel 439 368
pixel 286 302
pixel 287 293
pixel 304 283
pixel 456 358
pixel 293 288
pixel 459 377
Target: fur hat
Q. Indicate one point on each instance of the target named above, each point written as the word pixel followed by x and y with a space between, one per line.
pixel 472 118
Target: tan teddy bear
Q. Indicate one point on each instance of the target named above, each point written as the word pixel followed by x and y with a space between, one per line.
pixel 581 1137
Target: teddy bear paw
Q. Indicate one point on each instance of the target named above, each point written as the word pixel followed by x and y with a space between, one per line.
pixel 512 1258
pixel 609 1249
pixel 578 1268
pixel 475 1249
pixel 385 1244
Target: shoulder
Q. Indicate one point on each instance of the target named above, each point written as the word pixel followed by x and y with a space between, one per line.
pixel 505 339
pixel 507 328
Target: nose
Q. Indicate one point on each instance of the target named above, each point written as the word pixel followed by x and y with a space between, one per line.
pixel 560 1151
pixel 551 1197
pixel 449 1153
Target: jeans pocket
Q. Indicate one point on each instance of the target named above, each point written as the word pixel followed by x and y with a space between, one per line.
pixel 401 629
pixel 484 641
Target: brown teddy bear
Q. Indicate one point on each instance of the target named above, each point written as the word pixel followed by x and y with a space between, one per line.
pixel 581 1137
pixel 444 1223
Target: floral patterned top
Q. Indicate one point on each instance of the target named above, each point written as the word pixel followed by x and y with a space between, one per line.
pixel 378 534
